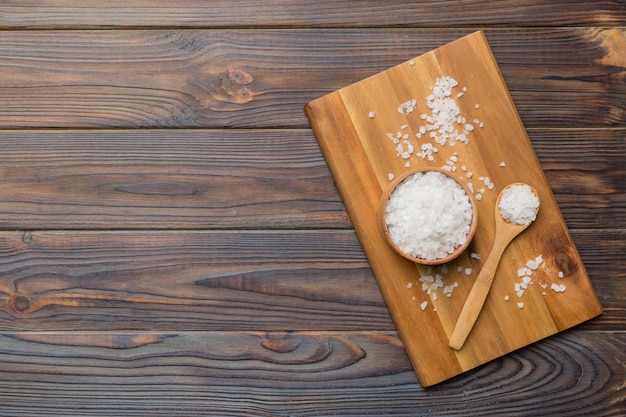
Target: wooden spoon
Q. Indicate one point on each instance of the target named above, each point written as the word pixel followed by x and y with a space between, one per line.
pixel 505 232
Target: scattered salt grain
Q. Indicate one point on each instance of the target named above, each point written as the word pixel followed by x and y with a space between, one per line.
pixel 407 107
pixel 391 176
pixel 428 215
pixel 372 114
pixel 445 123
pixel 532 265
pixel 447 290
pixel 520 305
pixel 502 164
pixel 424 305
pixel 411 62
pixel 518 204
pixel 557 287
pixel 561 274
pixel 506 298
pixel 475 255
pixel 468 271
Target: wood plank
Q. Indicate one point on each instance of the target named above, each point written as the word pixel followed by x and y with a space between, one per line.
pixel 262 78
pixel 361 156
pixel 296 373
pixel 187 280
pixel 290 13
pixel 254 280
pixel 220 179
pixel 166 180
pixel 586 170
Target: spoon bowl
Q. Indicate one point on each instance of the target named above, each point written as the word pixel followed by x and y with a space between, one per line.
pixel 505 232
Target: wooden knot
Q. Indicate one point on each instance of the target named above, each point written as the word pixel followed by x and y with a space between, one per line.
pixel 231 82
pixel 27 237
pixel 21 303
pixel 237 76
pixel 281 342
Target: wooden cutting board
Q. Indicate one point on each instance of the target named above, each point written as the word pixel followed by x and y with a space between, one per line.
pixel 356 127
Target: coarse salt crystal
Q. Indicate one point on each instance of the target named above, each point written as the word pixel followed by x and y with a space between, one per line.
pixel 520 305
pixel 407 107
pixel 391 176
pixel 533 265
pixel 424 305
pixel 561 274
pixel 372 114
pixel 518 204
pixel 502 164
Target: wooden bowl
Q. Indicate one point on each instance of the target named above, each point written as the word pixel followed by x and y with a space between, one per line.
pixel 383 223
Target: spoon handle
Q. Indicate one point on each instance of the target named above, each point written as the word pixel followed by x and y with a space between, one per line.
pixel 476 298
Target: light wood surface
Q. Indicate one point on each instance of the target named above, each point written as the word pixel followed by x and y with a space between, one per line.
pixel 352 126
pixel 172 242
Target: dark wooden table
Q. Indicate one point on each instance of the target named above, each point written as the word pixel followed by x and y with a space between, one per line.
pixel 172 242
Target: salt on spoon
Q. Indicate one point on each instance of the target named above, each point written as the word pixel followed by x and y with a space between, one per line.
pixel 516 209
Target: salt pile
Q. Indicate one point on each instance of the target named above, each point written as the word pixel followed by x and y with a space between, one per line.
pixel 519 204
pixel 428 215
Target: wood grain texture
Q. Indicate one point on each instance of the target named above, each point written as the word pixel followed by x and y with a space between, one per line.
pixel 255 280
pixel 226 179
pixel 148 269
pixel 289 13
pixel 296 373
pixel 159 179
pixel 187 280
pixel 262 78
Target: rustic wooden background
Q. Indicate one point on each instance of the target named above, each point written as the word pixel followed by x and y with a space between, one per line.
pixel 172 242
